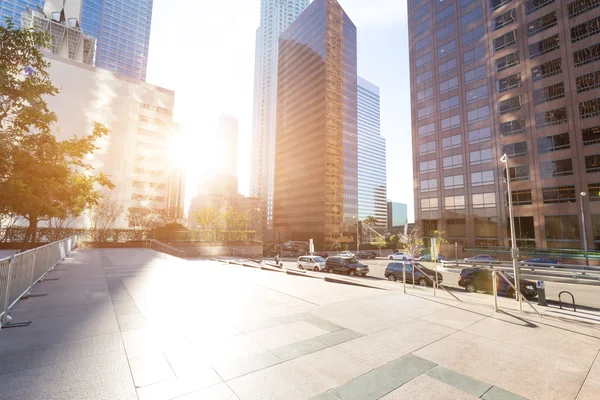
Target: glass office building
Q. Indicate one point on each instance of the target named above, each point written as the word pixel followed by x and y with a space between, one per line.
pixel 490 77
pixel 15 8
pixel 372 178
pixel 122 28
pixel 316 180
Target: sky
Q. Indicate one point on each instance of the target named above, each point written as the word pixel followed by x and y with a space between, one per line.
pixel 204 50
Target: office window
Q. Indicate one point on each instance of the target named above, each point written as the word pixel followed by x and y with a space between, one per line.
pixel 544 46
pixel 454 203
pixel 475 73
pixel 542 23
pixel 513 150
pixel 471 56
pixel 453 161
pixel 505 40
pixel 484 200
pixel 512 127
pixel 478 114
pixel 420 12
pixel 480 135
pixel 449 104
pixel 587 55
pixel 546 70
pixel 425 112
pixel 471 16
pixel 588 82
pixel 552 143
pixel 594 191
pixel 579 7
pixel 534 5
pixel 427 166
pixel 424 60
pixel 559 194
pixel 426 130
pixel 562 227
pixel 482 178
pixel 451 122
pixel 555 168
pixel 430 204
pixel 451 142
pixel 591 135
pixel 427 148
pixel 447 66
pixel 589 109
pixel 509 60
pixel 592 163
pixel 510 82
pixel 465 3
pixel 446 48
pixel 510 105
pixel 424 77
pixel 456 228
pixel 549 93
pixel 496 4
pixel 429 185
pixel 454 182
pixel 429 226
pixel 445 31
pixel 479 93
pixel 505 19
pixel 518 173
pixel 422 27
pixel 448 85
pixel 425 94
pixel 473 35
pixel 550 118
pixel 423 43
pixel 480 156
pixel 486 228
pixel 520 197
pixel 444 13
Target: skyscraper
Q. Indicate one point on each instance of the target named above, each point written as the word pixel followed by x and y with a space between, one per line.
pixel 275 17
pixel 372 179
pixel 316 182
pixel 515 77
pixel 15 8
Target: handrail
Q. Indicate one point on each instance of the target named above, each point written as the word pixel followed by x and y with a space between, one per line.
pixel 434 283
pixel 154 244
pixel 517 291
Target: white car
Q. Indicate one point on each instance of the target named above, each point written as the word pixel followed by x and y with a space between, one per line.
pixel 311 263
pixel 345 254
pixel 400 256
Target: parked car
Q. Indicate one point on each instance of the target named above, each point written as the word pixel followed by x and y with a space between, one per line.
pixel 345 254
pixel 346 265
pixel 552 263
pixel 322 254
pixel 311 263
pixel 477 278
pixel 367 255
pixel 393 272
pixel 400 256
pixel 481 257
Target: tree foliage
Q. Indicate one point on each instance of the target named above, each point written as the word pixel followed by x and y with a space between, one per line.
pixel 412 242
pixel 440 239
pixel 379 242
pixel 141 220
pixel 231 220
pixel 208 219
pixel 371 221
pixel 103 216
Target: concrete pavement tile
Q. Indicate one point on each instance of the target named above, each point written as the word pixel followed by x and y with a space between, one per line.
pixel 143 341
pixel 454 317
pixel 406 368
pixel 325 396
pixel 426 388
pixel 129 308
pixel 216 392
pixel 128 318
pixel 175 387
pixel 369 386
pixel 496 393
pixel 335 338
pixel 324 324
pixel 272 338
pixel 463 382
pixel 591 386
pixel 299 349
pixel 233 368
pixel 149 369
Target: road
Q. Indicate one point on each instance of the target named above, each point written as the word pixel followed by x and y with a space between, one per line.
pixel 585 295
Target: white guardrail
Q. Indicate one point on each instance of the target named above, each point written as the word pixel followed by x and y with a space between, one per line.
pixel 20 272
pixel 165 248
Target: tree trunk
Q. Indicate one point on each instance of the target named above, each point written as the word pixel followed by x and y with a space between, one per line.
pixel 34 222
pixel 27 237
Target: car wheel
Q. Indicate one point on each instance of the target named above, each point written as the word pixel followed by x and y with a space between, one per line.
pixel 511 293
pixel 392 278
pixel 390 258
pixel 471 288
pixel 330 270
pixel 422 282
pixel 363 275
pixel 316 269
pixel 403 258
pixel 352 273
pixel 300 267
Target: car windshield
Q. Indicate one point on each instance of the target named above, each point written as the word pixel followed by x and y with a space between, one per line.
pixel 318 259
pixel 353 261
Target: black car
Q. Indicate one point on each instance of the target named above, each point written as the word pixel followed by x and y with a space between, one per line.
pixel 346 265
pixel 475 279
pixel 322 254
pixel 393 272
pixel 367 255
pixel 550 262
pixel 481 257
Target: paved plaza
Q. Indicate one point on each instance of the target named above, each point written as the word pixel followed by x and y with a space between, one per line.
pixel 136 324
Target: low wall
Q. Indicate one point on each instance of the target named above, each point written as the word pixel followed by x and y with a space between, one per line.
pixel 197 249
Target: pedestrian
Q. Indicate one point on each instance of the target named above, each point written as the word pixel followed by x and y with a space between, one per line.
pixel 277 260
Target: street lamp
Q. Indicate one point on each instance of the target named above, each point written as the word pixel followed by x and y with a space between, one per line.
pixel 585 248
pixel 357 237
pixel 513 250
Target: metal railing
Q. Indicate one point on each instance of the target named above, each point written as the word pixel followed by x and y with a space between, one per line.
pixel 153 244
pixel 20 272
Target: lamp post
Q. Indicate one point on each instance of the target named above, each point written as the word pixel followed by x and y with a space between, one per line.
pixel 357 237
pixel 585 244
pixel 514 250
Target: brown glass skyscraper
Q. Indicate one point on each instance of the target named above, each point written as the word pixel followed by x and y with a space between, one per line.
pixel 316 183
pixel 520 77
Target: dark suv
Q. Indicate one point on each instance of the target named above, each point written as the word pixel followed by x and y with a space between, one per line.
pixel 393 272
pixel 367 255
pixel 474 279
pixel 346 265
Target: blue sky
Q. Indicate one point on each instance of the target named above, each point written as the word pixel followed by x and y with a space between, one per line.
pixel 204 50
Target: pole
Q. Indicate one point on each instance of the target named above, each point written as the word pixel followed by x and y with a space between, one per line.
pixel 456 250
pixel 513 252
pixel 357 238
pixel 585 244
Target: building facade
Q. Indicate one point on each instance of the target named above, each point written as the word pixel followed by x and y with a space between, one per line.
pixel 397 215
pixel 275 17
pixel 505 76
pixel 372 177
pixel 14 9
pixel 316 179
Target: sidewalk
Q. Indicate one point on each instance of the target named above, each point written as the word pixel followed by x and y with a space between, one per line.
pixel 129 324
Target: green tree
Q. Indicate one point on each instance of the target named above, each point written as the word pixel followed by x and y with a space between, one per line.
pixel 412 243
pixel 440 239
pixel 379 242
pixel 393 240
pixel 234 220
pixel 141 219
pixel 371 221
pixel 103 216
pixel 208 219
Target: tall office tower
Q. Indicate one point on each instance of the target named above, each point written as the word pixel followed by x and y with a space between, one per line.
pixel 316 182
pixel 516 77
pixel 275 17
pixel 14 9
pixel 122 28
pixel 372 178
pixel 228 140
